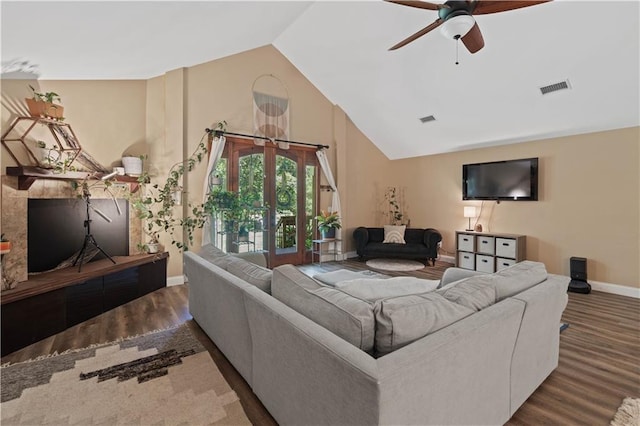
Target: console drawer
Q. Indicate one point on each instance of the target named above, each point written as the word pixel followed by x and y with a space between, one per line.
pixel 466 260
pixel 486 245
pixel 466 242
pixel 506 247
pixel 504 263
pixel 485 263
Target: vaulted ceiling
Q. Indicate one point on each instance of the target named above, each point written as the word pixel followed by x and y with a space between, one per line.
pixel 491 97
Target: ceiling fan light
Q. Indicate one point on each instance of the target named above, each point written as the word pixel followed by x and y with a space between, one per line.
pixel 457 26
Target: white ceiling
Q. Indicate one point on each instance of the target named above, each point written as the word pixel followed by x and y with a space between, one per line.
pixel 490 98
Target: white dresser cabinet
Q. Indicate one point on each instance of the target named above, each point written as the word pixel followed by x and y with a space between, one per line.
pixel 488 252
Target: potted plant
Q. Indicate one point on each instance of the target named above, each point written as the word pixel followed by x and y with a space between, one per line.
pixel 5 245
pixel 394 212
pixel 42 105
pixel 132 164
pixel 328 222
pixel 154 203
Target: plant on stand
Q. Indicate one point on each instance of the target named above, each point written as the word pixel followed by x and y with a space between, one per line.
pixel 42 105
pixel 328 222
pixel 394 209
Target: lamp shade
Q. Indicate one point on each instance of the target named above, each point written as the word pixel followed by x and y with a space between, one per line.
pixel 469 211
pixel 457 26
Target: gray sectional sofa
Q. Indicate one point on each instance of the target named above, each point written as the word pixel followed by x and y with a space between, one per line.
pixel 470 352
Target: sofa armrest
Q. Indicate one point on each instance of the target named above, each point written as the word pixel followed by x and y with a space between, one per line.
pixel 361 235
pixel 456 274
pixel 431 238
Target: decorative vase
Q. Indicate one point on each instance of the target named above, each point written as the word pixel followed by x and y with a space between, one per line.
pixel 44 109
pixel 47 157
pixel 153 248
pixel 328 233
pixel 5 247
pixel 132 166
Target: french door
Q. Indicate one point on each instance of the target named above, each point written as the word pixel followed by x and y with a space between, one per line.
pixel 279 188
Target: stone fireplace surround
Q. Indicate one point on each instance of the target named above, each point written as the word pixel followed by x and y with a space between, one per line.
pixel 14 205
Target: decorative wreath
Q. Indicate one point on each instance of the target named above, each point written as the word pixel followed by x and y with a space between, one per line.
pixel 285 198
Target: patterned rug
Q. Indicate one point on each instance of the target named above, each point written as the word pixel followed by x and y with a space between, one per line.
pixel 628 413
pixel 161 378
pixel 395 264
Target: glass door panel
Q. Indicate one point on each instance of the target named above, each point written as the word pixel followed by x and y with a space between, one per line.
pixel 286 208
pixel 251 234
pixel 277 191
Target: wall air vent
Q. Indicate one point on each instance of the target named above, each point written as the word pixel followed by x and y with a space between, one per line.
pixel 427 119
pixel 555 87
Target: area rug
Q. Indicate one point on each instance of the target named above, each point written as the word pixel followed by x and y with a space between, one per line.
pixel 628 413
pixel 161 378
pixel 403 265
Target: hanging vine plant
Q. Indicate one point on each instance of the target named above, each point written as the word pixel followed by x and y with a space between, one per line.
pixel 156 203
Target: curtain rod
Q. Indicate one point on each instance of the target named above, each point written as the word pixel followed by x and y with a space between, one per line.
pixel 223 132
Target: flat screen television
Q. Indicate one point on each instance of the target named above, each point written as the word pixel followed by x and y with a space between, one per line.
pixel 511 180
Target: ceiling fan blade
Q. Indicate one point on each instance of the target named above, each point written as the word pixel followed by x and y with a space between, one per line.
pixel 484 7
pixel 433 25
pixel 418 4
pixel 473 40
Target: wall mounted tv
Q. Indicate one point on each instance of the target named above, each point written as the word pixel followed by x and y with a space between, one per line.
pixel 511 180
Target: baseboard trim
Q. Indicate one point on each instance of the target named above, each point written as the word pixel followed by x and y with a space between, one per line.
pixel 621 290
pixel 447 259
pixel 177 280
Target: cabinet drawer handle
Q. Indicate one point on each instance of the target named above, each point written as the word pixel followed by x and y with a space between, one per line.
pixel 505 244
pixel 466 257
pixel 485 260
pixel 485 242
pixel 465 239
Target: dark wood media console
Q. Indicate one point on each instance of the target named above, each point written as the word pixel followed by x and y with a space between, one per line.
pixel 53 301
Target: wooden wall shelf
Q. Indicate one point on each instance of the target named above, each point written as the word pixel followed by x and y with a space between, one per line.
pixel 49 281
pixel 29 174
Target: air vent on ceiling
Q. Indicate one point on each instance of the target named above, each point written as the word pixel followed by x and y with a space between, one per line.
pixel 427 119
pixel 555 87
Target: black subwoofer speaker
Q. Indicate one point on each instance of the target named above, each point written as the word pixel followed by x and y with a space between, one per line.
pixel 578 268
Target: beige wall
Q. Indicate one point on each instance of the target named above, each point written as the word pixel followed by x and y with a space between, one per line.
pixel 198 97
pixel 108 117
pixel 589 184
pixel 588 204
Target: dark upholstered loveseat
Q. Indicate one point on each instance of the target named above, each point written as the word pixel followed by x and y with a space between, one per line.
pixel 421 244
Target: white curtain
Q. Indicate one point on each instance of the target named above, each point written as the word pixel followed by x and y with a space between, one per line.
pixel 326 170
pixel 217 147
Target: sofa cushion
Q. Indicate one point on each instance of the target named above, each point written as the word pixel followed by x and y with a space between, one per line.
pixel 371 289
pixel 334 277
pixel 251 273
pixel 211 253
pixel 519 277
pixel 402 320
pixel 344 315
pixel 475 292
pixel 394 234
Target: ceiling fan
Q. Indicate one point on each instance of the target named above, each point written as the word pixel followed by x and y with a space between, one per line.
pixel 457 21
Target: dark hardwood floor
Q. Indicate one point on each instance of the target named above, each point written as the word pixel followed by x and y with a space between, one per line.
pixel 599 352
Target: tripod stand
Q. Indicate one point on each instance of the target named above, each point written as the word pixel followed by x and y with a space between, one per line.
pixel 88 237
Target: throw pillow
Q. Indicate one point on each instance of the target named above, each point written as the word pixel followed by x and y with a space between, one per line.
pixel 394 234
pixel 371 289
pixel 477 292
pixel 402 320
pixel 251 273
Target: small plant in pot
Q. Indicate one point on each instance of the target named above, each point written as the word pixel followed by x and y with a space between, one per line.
pixel 43 105
pixel 328 222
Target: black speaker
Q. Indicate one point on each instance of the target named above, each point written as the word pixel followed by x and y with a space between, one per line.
pixel 578 268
